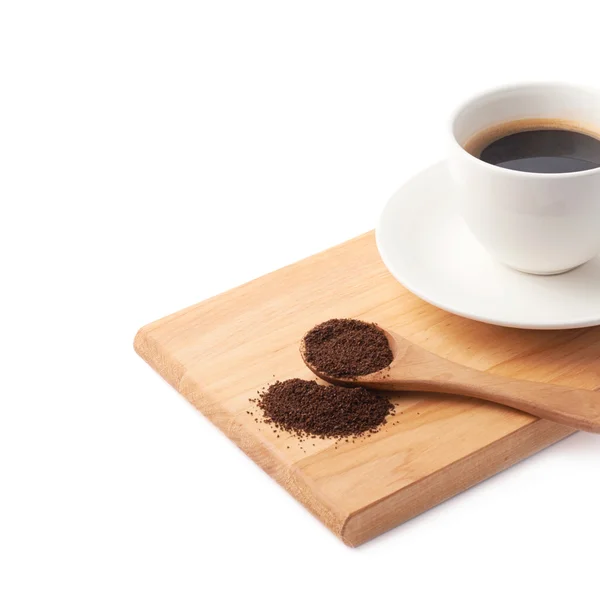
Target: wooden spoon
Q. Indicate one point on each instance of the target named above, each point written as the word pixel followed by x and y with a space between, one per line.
pixel 415 369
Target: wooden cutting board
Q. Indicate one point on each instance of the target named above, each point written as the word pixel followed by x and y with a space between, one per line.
pixel 220 352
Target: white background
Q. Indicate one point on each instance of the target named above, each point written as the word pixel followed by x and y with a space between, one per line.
pixel 153 154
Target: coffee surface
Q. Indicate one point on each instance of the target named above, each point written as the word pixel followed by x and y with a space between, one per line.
pixel 538 146
pixel 347 348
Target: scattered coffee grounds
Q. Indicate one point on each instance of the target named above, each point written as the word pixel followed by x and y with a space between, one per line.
pixel 347 348
pixel 306 408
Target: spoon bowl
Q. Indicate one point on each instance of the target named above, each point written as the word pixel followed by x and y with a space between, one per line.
pixel 370 380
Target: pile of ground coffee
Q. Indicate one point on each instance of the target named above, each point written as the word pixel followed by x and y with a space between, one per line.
pixel 347 348
pixel 306 408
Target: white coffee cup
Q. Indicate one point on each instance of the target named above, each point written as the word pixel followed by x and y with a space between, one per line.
pixel 541 223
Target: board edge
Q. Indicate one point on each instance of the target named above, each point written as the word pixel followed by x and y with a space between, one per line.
pixel 150 351
pixel 403 505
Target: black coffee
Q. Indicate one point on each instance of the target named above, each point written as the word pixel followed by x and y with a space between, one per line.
pixel 537 146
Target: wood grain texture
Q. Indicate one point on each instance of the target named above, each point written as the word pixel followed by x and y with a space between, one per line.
pixel 220 352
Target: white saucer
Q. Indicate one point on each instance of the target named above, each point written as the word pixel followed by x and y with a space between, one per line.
pixel 427 247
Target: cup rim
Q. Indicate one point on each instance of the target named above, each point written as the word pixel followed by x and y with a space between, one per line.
pixel 508 88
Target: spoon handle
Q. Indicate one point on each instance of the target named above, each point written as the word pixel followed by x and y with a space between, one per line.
pixel 573 407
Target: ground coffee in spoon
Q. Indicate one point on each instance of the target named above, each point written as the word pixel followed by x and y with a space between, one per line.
pixel 307 409
pixel 347 348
